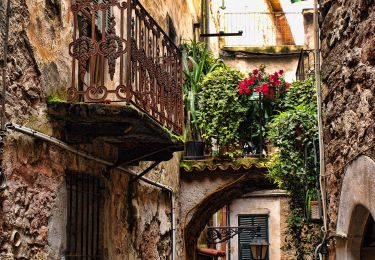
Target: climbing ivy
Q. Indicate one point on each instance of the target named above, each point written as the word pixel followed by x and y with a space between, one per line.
pixel 294 168
pixel 221 110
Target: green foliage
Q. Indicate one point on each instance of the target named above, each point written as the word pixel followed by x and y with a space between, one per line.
pixel 264 91
pixel 294 131
pixel 54 100
pixel 197 62
pixel 300 93
pixel 221 110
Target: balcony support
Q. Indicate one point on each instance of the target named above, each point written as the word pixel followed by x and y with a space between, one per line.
pixel 133 135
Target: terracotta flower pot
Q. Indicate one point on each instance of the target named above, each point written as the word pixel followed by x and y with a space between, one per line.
pixel 314 210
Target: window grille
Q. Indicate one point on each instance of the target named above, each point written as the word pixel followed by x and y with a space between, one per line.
pixel 84 217
pixel 245 238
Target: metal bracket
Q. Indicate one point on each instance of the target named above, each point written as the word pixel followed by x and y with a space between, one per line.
pixel 144 172
pixel 216 235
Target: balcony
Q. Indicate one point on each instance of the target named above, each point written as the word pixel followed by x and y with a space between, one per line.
pixel 264 32
pixel 126 80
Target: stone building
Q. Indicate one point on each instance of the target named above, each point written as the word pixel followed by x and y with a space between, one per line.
pixel 275 33
pixel 348 74
pixel 68 183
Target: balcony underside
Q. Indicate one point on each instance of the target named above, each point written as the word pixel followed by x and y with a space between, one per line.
pixel 132 134
pixel 265 50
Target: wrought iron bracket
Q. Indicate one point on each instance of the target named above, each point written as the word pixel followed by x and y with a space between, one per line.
pixel 216 235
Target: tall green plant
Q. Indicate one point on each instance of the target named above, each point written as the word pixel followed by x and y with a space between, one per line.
pixel 197 62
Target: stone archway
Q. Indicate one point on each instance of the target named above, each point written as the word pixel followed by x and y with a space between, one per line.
pixel 357 204
pixel 203 194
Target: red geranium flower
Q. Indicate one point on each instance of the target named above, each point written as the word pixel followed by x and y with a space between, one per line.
pixel 265 88
pixel 255 72
pixel 281 72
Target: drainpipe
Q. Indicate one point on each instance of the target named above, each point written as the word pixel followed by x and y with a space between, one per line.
pixel 67 147
pixel 3 179
pixel 322 179
pixel 228 225
pixel 6 37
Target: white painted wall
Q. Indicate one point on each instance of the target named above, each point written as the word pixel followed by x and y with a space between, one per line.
pixel 259 202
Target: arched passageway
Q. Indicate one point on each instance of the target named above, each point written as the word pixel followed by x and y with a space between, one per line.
pixel 205 193
pixel 355 223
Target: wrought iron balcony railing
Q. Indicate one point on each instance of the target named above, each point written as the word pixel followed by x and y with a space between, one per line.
pixel 306 63
pixel 120 54
pixel 261 29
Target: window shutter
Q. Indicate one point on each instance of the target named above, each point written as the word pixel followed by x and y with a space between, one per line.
pixel 245 238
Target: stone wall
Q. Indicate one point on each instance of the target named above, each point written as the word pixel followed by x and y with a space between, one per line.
pixel 348 74
pixel 137 217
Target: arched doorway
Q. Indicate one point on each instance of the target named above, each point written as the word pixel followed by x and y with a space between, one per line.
pixel 202 196
pixel 355 223
pixel 368 241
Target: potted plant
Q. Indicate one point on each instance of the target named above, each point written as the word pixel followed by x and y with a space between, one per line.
pixel 197 62
pixel 264 91
pixel 312 205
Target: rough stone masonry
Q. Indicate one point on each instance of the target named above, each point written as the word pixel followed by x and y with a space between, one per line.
pixel 34 204
pixel 348 74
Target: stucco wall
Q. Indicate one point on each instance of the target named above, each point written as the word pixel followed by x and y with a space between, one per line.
pixel 265 203
pixel 273 63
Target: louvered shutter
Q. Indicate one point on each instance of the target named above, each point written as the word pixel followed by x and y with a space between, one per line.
pixel 245 238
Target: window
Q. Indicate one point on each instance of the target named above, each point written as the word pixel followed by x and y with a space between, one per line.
pixel 245 238
pixel 84 217
pixel 171 30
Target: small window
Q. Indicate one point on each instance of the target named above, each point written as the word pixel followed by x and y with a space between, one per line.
pixel 245 238
pixel 171 29
pixel 84 217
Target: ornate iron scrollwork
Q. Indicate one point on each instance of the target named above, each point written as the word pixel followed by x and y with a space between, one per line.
pixel 216 235
pixel 143 65
pixel 112 47
pixel 83 49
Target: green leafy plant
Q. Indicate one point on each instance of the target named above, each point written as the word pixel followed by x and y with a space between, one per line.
pixel 221 110
pixel 197 62
pixel 294 168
